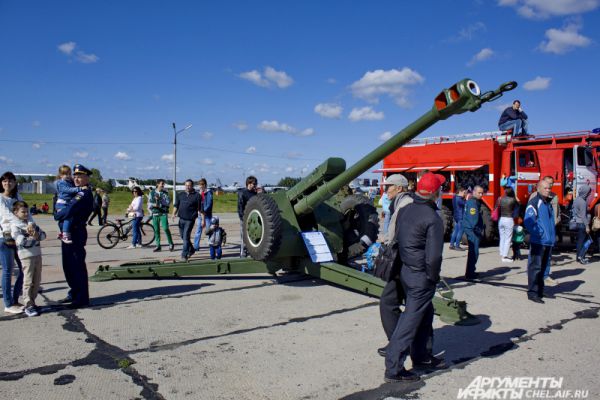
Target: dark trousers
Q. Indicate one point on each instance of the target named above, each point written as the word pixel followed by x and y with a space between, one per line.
pixel 581 237
pixel 98 212
pixel 73 260
pixel 389 306
pixel 538 258
pixel 473 253
pixel 215 252
pixel 104 215
pixel 414 329
pixel 185 230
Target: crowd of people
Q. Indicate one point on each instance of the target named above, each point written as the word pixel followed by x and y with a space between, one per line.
pixel 412 223
pixel 76 206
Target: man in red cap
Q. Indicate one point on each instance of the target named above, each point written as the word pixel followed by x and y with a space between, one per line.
pixel 420 243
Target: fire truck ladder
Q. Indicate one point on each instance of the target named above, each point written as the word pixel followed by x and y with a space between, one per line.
pixel 462 137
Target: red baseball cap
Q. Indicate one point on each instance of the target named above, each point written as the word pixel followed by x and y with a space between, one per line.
pixel 430 183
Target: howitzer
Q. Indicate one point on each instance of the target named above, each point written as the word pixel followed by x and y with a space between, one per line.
pixel 272 223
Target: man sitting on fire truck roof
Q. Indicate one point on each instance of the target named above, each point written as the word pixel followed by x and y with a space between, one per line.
pixel 514 118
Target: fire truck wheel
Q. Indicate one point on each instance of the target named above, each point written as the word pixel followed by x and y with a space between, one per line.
pixel 361 226
pixel 448 220
pixel 262 227
pixel 491 228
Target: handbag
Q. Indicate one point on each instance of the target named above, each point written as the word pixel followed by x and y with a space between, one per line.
pixel 496 212
pixel 386 261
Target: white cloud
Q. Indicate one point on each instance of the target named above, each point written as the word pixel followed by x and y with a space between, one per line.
pixel 329 110
pixel 540 9
pixel 262 167
pixel 468 33
pixel 561 41
pixel 241 126
pixel 251 150
pixel 207 135
pixel 365 114
pixel 255 77
pixel 306 132
pixel 81 154
pixel 67 47
pixel 502 106
pixel 6 160
pixel 121 155
pixel 36 124
pixel 167 157
pixel 280 78
pixel 275 126
pixel 148 168
pixel 36 146
pixel 208 161
pixel 268 78
pixel 482 55
pixel 385 136
pixel 293 154
pixel 85 58
pixel 331 81
pixel 393 83
pixel 539 83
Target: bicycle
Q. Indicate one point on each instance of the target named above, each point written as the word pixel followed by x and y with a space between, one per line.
pixel 113 232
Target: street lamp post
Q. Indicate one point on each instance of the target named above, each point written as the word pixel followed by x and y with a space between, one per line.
pixel 175 157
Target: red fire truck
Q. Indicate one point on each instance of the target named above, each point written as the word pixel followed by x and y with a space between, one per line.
pixel 485 158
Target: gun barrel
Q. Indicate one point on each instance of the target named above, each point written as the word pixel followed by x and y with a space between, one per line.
pixel 459 98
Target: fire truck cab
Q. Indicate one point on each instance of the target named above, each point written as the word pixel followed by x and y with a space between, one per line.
pixel 486 158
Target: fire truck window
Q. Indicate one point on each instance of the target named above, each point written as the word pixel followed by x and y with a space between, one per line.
pixel 512 163
pixel 585 157
pixel 526 159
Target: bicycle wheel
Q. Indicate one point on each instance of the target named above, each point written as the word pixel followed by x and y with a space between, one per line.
pixel 147 231
pixel 108 236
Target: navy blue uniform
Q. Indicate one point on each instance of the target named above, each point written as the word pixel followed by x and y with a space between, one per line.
pixel 473 227
pixel 73 255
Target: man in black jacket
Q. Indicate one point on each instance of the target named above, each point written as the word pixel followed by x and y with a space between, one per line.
pixel 97 208
pixel 243 196
pixel 514 118
pixel 420 238
pixel 187 206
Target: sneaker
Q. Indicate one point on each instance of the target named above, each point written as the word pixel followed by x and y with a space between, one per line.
pixel 171 247
pixel 133 246
pixel 506 260
pixel 402 376
pixel 13 310
pixel 31 311
pixel 451 247
pixel 67 299
pixel 66 238
pixel 536 299
pixel 59 236
pixel 183 259
pixel 550 282
pixel 470 277
pixel 582 261
pixel 156 249
pixel 458 248
pixel 431 363
pixel 382 351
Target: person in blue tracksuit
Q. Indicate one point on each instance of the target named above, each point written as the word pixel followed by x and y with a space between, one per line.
pixel 458 210
pixel 205 214
pixel 539 222
pixel 473 227
pixel 73 254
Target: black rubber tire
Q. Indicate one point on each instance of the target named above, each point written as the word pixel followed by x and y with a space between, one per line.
pixel 147 230
pixel 448 220
pixel 263 208
pixel 490 235
pixel 108 236
pixel 361 226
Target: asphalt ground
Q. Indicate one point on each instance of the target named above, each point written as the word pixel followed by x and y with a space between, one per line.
pixel 286 337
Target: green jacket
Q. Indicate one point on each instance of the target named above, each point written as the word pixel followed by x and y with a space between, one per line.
pixel 158 202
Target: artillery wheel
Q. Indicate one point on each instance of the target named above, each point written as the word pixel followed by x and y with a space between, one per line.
pixel 361 226
pixel 262 227
pixel 448 220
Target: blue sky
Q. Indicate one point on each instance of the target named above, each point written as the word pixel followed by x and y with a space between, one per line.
pixel 272 88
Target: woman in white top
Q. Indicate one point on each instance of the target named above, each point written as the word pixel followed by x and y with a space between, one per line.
pixel 136 210
pixel 8 250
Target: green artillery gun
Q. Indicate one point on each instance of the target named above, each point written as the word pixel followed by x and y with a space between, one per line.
pixel 273 223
